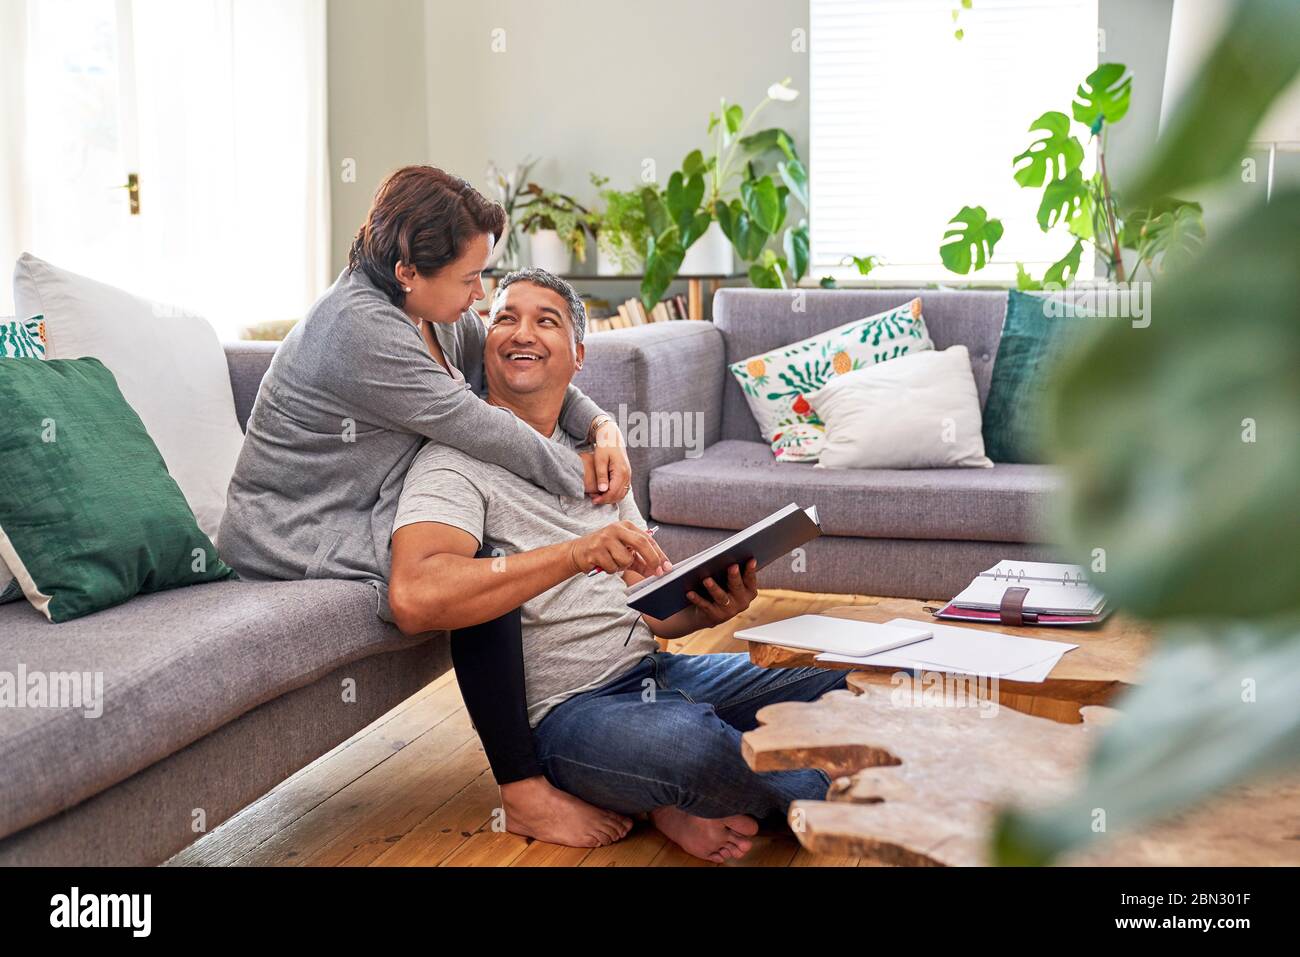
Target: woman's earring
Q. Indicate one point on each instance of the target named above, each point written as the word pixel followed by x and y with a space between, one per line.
pixel 406 288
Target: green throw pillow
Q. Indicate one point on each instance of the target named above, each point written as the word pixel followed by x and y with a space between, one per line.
pixel 89 515
pixel 1031 342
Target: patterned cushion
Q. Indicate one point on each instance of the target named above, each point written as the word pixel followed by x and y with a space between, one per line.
pixel 19 339
pixel 775 384
pixel 802 442
pixel 22 338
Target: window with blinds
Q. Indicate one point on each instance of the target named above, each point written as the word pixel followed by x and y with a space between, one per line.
pixel 908 124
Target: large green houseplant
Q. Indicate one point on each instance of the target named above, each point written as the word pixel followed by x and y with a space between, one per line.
pixel 744 184
pixel 1179 441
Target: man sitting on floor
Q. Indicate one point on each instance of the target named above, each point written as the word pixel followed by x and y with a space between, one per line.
pixel 617 722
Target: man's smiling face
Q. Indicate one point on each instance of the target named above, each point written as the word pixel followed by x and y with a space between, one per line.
pixel 530 345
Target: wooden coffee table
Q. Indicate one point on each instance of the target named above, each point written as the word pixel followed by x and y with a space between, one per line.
pixel 1107 661
pixel 918 785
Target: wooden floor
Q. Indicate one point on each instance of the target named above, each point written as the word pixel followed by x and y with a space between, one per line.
pixel 414 788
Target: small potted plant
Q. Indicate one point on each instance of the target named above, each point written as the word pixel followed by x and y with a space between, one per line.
pixel 557 228
pixel 620 229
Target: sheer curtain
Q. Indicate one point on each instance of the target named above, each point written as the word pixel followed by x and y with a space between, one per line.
pixel 15 199
pixel 219 107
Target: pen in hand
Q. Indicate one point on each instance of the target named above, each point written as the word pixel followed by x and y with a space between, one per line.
pixel 598 571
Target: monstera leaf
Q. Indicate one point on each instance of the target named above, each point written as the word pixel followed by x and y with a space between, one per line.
pixel 1175 235
pixel 1254 60
pixel 1103 96
pixel 971 240
pixel 1064 271
pixel 1063 200
pixel 1053 156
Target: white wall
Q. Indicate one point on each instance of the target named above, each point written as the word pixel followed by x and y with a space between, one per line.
pixel 601 85
pixel 378 116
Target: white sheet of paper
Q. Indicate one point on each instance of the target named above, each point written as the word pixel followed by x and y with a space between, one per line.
pixel 1035 674
pixel 966 651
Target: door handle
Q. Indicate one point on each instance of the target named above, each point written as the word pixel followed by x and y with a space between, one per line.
pixel 132 187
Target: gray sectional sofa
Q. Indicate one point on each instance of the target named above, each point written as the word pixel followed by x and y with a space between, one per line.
pixel 215 693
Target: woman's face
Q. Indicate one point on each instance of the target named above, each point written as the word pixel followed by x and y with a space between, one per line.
pixel 452 290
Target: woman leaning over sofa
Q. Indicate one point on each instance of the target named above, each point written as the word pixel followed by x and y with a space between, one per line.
pixel 389 356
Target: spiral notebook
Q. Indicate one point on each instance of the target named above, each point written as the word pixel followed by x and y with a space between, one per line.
pixel 1054 589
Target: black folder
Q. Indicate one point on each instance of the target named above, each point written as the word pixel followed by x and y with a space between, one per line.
pixel 765 541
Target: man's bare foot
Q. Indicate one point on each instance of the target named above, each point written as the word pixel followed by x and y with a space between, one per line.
pixel 536 808
pixel 715 839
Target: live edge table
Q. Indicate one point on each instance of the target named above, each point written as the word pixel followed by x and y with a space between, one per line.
pixel 1107 661
pixel 921 785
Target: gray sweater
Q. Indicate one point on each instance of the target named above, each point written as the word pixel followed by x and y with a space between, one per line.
pixel 349 398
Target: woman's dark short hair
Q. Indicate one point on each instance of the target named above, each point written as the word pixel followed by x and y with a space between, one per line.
pixel 424 217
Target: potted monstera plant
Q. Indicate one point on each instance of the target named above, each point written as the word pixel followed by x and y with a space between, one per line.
pixel 1085 207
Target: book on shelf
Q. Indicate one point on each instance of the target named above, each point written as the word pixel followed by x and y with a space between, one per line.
pixel 632 312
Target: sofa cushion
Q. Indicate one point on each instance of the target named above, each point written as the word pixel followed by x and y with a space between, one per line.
pixel 175 666
pixel 735 483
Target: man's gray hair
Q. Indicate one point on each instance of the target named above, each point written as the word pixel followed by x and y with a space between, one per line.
pixel 540 277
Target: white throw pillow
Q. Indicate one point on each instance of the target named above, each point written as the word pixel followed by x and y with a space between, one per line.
pixel 915 412
pixel 169 365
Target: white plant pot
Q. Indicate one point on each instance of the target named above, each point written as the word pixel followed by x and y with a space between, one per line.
pixel 710 255
pixel 609 265
pixel 547 251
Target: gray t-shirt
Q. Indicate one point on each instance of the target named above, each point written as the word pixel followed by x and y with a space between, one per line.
pixel 574 633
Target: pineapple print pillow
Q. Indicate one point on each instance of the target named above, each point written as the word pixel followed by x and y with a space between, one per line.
pixel 775 384
pixel 22 338
pixel 19 339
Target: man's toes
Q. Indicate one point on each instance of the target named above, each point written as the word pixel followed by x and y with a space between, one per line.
pixel 717 858
pixel 736 850
pixel 742 824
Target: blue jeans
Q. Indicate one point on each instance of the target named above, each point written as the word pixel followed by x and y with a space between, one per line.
pixel 667 733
